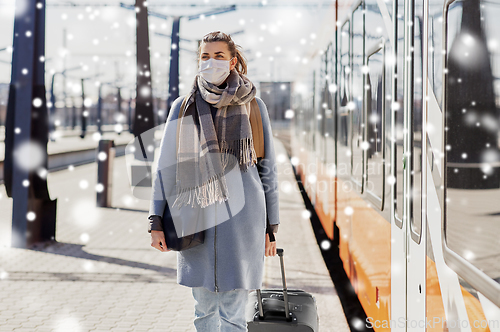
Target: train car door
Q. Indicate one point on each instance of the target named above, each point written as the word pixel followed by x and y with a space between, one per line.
pixel 408 243
pixel 398 228
pixel 416 111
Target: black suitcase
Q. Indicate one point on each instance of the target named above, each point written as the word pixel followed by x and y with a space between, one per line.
pixel 279 310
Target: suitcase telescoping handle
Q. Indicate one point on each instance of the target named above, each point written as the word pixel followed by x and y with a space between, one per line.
pixel 285 294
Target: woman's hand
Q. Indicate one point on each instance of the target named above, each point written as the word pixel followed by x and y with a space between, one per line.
pixel 158 241
pixel 270 246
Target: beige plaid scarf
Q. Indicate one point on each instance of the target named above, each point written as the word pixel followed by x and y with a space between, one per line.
pixel 206 148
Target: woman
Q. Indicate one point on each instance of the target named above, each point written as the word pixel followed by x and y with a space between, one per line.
pixel 230 262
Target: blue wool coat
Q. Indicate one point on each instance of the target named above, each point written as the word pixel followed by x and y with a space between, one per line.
pixel 232 256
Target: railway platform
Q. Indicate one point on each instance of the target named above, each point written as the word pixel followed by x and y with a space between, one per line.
pixel 70 149
pixel 103 275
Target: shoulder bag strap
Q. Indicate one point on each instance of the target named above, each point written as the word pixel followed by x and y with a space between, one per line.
pixel 257 129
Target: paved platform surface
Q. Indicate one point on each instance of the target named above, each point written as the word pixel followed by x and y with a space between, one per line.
pixel 103 275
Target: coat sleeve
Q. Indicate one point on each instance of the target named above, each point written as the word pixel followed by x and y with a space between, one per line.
pixel 166 166
pixel 269 172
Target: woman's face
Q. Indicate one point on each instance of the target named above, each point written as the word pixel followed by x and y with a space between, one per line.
pixel 219 51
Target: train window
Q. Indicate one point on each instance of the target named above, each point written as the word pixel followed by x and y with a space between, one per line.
pixel 344 153
pixel 472 178
pixel 321 107
pixel 309 119
pixel 357 136
pixel 305 120
pixel 378 98
pixel 328 124
pixel 331 92
pixel 325 83
pixel 313 111
pixel 375 131
pixel 309 112
pixel 322 111
pixel 416 123
pixel 435 55
pixel 345 74
pixel 299 115
pixel 397 107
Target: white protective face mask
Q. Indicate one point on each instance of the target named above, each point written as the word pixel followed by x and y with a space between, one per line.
pixel 214 71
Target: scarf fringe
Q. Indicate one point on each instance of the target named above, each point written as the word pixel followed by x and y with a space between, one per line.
pixel 214 190
pixel 243 148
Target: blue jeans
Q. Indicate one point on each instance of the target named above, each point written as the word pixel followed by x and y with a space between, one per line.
pixel 220 311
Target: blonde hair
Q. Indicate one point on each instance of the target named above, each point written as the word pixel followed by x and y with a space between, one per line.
pixel 236 50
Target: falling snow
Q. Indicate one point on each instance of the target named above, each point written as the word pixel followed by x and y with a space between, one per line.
pixel 306 214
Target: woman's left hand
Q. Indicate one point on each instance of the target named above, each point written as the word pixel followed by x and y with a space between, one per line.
pixel 270 246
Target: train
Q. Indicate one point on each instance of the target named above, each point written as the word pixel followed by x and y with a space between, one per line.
pixel 395 138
